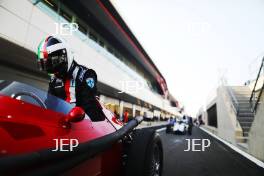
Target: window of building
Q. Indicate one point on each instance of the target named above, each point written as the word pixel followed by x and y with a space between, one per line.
pixel 51 4
pixel 81 28
pixel 110 49
pixel 93 36
pixel 101 43
pixel 66 15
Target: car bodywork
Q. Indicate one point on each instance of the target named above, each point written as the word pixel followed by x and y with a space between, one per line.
pixel 29 129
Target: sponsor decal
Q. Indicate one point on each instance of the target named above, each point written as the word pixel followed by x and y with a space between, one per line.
pixel 90 82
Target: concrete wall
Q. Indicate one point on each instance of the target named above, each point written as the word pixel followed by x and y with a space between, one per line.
pixel 256 134
pixel 228 127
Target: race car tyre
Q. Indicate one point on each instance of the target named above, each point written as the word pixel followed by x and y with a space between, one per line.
pixel 145 156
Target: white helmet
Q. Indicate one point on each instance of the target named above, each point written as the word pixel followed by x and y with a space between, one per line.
pixel 54 56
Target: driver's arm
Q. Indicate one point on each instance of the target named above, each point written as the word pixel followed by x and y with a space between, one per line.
pixel 88 96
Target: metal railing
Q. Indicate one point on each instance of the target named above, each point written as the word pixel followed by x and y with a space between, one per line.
pixel 255 96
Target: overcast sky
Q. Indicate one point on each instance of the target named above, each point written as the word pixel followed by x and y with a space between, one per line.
pixel 193 42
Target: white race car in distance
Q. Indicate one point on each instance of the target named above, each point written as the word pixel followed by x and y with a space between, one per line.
pixel 180 127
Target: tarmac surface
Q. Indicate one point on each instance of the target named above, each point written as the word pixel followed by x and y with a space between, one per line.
pixel 217 159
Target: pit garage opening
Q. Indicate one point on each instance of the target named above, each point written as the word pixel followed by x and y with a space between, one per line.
pixel 212 116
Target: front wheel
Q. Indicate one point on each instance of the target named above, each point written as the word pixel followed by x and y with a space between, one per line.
pixel 155 163
pixel 145 156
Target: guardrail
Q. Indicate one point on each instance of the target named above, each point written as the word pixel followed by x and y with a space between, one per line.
pixel 254 98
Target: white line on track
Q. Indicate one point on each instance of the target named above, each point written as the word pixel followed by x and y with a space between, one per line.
pixel 248 156
pixel 161 129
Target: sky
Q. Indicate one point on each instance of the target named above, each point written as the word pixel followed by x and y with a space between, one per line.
pixel 195 42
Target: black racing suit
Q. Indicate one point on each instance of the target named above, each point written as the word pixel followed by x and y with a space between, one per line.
pixel 78 87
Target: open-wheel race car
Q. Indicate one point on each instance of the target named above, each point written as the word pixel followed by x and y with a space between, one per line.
pixel 44 135
pixel 177 127
pixel 180 127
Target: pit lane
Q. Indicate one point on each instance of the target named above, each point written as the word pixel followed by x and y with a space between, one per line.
pixel 216 160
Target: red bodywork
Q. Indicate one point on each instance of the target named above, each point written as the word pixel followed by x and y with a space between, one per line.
pixel 25 128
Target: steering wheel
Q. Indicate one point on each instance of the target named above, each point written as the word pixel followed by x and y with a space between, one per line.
pixel 32 95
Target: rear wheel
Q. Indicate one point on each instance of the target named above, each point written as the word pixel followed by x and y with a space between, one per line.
pixel 145 157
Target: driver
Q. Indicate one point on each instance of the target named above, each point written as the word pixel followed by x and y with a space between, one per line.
pixel 70 81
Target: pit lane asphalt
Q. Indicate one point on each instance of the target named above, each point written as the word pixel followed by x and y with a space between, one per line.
pixel 217 160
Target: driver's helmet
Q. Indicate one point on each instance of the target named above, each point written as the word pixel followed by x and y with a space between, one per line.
pixel 54 56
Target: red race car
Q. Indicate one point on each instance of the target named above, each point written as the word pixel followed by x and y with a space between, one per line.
pixel 44 135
